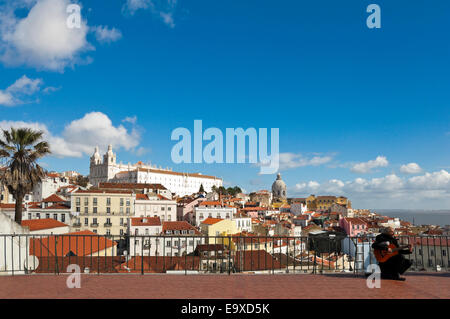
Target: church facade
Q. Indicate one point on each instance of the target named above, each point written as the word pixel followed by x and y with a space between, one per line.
pixel 107 169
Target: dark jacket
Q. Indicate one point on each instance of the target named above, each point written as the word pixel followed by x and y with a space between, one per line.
pixel 382 241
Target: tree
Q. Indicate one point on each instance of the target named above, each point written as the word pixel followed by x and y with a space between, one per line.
pixel 201 190
pixel 82 181
pixel 22 148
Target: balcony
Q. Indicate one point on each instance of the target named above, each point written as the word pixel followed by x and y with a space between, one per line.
pixel 107 224
pixel 76 225
pixel 93 225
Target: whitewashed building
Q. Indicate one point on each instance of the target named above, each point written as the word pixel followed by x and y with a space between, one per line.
pixel 152 205
pixel 243 224
pixel 48 186
pixel 216 209
pixel 107 169
pixel 151 237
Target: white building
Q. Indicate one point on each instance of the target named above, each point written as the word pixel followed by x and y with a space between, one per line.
pixel 179 183
pixel 164 238
pixel 151 205
pixel 243 224
pixel 48 186
pixel 54 207
pixel 213 210
pixel 15 249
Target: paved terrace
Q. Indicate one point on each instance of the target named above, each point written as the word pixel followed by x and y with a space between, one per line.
pixel 301 286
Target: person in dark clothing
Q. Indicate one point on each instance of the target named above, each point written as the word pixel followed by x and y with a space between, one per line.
pixel 396 265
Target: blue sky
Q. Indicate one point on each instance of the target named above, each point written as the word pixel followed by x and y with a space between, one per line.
pixel 340 93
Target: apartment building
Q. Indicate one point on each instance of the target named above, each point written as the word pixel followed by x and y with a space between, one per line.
pixel 213 209
pixel 155 205
pixel 104 212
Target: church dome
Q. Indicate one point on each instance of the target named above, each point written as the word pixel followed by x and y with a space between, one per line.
pixel 279 188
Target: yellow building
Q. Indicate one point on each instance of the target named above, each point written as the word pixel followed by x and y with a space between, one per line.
pixel 250 242
pixel 212 227
pixel 325 202
pixel 104 212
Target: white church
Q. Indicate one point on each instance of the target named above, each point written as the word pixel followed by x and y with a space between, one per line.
pixel 108 170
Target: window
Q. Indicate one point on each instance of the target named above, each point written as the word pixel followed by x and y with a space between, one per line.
pixel 108 220
pixel 108 232
pixel 86 221
pixel 121 222
pixel 77 201
pixel 121 210
pixel 444 252
pixel 94 220
pixel 169 208
pixel 128 202
pixel 85 210
pixel 55 216
pixel 29 215
pixel 63 218
pixel 128 210
pixel 167 243
pixel 95 201
pixel 94 231
pixel 136 232
pixel 77 209
pixel 108 210
pixel 146 231
pixel 86 201
pixel 121 202
pixel 47 216
pixel 121 232
pixel 169 218
pixel 94 210
pixel 108 201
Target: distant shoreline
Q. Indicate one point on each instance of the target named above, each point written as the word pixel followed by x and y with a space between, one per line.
pixel 439 217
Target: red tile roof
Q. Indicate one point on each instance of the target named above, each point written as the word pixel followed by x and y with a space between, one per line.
pixel 183 225
pixel 255 260
pixel 159 264
pixel 149 221
pixel 211 221
pixel 39 224
pixel 53 199
pixel 141 197
pixel 84 244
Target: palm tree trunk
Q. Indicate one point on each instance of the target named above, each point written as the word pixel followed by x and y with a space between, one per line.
pixel 18 216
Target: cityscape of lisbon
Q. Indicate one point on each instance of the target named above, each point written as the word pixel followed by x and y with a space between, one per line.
pixel 138 218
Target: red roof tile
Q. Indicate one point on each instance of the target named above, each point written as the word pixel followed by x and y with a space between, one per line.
pixel 39 224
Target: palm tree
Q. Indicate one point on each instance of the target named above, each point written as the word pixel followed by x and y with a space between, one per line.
pixel 22 148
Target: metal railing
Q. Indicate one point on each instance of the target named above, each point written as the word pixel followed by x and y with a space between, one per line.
pixel 39 253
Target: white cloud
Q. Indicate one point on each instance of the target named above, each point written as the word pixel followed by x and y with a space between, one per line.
pixel 81 136
pixel 105 35
pixel 411 168
pixel 23 86
pixel 291 160
pixel 96 128
pixel 367 167
pixel 130 119
pixel 163 9
pixel 428 190
pixel 42 38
